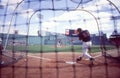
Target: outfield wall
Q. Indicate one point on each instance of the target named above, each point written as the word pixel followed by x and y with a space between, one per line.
pixel 51 39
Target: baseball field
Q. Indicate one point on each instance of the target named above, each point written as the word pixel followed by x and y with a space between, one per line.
pixel 62 63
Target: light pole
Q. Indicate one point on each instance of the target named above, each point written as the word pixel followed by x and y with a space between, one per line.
pixel 40 17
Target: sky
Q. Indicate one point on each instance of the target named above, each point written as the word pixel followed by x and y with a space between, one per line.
pixel 30 14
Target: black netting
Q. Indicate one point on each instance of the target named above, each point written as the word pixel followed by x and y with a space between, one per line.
pixel 38 40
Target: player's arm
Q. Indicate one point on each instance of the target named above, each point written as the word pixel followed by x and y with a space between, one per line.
pixel 74 35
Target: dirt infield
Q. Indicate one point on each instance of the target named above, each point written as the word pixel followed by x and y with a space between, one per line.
pixel 62 65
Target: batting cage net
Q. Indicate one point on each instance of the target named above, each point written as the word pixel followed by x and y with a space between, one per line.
pixel 39 39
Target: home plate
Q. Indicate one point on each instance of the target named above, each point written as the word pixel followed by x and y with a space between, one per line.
pixel 70 62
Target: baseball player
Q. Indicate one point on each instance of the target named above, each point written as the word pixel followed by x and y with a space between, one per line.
pixel 84 36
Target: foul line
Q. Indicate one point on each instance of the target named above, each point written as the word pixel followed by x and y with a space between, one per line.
pixel 39 57
pixel 67 62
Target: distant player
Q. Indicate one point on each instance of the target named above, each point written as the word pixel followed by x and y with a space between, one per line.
pixel 84 36
pixel 59 43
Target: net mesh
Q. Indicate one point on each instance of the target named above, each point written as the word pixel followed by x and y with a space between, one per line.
pixel 35 44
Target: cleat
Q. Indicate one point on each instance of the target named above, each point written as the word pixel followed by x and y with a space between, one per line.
pixel 92 59
pixel 79 59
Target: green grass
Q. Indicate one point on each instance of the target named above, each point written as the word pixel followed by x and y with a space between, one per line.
pixel 52 48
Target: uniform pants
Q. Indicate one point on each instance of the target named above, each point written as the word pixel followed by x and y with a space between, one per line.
pixel 85 48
